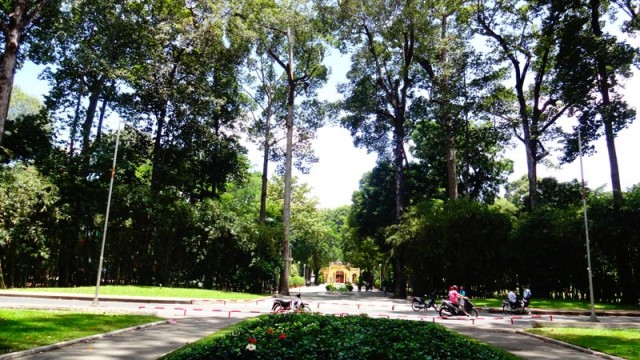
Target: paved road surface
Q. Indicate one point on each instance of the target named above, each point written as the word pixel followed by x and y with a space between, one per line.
pixel 190 321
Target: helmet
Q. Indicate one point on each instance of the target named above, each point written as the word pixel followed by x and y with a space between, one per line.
pixel 455 287
pixel 450 288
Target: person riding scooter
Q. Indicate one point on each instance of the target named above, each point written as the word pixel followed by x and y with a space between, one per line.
pixel 513 299
pixel 456 299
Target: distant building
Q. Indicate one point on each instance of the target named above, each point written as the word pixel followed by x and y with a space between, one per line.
pixel 339 273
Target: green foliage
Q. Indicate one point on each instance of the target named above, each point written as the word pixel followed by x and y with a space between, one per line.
pixel 452 241
pixel 545 234
pixel 304 336
pixel 27 138
pixel 22 104
pixel 185 209
pixel 592 61
pixel 339 287
pixel 296 281
pixel 28 214
pixel 615 239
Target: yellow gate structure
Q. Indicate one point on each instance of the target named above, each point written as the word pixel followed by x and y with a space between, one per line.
pixel 340 273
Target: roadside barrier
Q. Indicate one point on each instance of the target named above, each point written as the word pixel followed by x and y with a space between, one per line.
pixel 184 311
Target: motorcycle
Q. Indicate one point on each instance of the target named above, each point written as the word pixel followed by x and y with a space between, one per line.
pixel 447 308
pixel 419 303
pixel 295 305
pixel 519 307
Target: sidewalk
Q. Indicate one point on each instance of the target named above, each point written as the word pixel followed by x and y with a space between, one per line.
pixel 143 343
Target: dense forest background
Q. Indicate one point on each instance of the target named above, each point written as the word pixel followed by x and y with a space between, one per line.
pixel 437 89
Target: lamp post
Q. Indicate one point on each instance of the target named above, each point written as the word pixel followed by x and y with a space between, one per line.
pixel 586 231
pixel 106 216
pixel 380 266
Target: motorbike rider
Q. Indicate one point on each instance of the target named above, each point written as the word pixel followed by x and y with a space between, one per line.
pixel 513 299
pixel 295 303
pixel 456 299
pixel 526 294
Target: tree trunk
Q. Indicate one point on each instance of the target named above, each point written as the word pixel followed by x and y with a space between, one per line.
pixel 286 216
pixel 530 144
pixel 532 172
pixel 621 245
pixel 74 126
pixel 265 160
pixel 400 278
pixel 2 284
pixel 452 173
pixel 157 152
pixel 94 98
pixel 605 110
pixel 9 60
pixel 103 109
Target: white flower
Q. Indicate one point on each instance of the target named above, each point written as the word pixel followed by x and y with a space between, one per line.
pixel 251 347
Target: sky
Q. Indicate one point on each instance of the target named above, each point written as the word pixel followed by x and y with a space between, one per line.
pixel 337 175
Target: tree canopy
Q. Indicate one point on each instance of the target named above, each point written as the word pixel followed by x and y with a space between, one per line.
pixel 436 89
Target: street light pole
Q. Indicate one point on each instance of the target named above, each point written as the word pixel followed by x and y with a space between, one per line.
pixel 106 217
pixel 586 231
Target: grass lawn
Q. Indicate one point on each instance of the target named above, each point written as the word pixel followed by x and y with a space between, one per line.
pixel 555 304
pixel 150 291
pixel 312 336
pixel 618 342
pixel 26 329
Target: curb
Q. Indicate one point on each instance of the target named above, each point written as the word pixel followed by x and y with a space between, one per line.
pixel 101 298
pixel 18 354
pixel 630 313
pixel 570 346
pixel 114 298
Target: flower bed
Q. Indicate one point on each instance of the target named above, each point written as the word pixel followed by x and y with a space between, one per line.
pixel 313 336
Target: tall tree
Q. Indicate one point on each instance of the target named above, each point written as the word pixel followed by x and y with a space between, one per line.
pixel 94 55
pixel 591 64
pixel 20 20
pixel 382 80
pixel 530 49
pixel 455 130
pixel 267 85
pixel 269 92
pixel 441 52
pixel 296 45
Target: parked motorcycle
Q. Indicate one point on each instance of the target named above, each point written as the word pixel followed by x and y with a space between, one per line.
pixel 420 303
pixel 447 308
pixel 295 304
pixel 519 307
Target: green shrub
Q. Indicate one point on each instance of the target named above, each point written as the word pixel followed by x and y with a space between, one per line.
pixel 339 287
pixel 313 336
pixel 296 281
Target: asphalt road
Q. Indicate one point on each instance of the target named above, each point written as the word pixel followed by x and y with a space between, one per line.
pixel 192 320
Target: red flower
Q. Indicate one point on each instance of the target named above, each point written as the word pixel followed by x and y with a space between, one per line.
pixel 282 336
pixel 269 331
pixel 253 340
